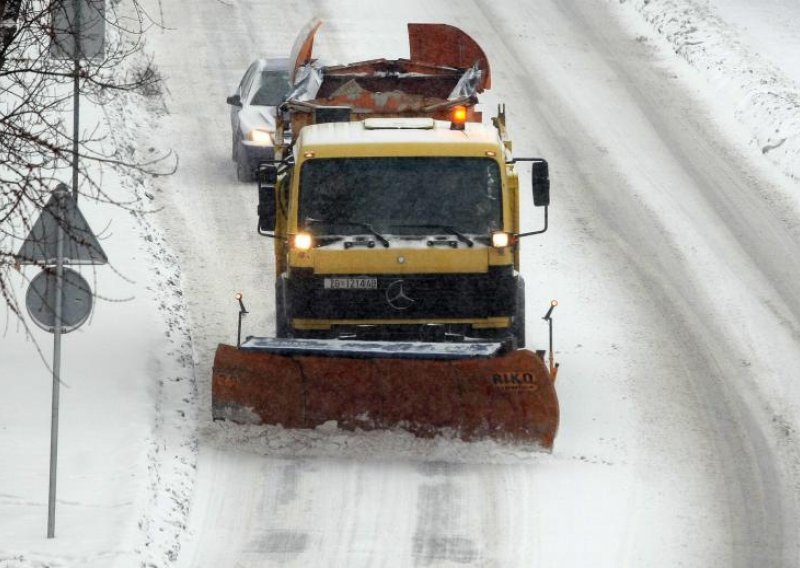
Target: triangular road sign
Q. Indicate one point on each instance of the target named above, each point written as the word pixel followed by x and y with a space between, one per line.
pixel 80 246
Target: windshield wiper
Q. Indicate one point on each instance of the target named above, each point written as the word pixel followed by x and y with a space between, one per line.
pixel 447 228
pixel 325 240
pixel 366 226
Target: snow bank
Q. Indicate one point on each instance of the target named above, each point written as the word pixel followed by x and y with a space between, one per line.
pixel 127 442
pixel 765 100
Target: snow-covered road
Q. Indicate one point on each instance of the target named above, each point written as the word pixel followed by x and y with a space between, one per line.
pixel 673 257
pixel 674 250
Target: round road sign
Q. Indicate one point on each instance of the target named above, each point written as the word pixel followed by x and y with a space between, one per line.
pixel 76 300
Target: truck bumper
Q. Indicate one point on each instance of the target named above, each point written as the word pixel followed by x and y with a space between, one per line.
pixel 425 306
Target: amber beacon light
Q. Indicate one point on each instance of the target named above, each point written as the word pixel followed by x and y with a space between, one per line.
pixel 458 117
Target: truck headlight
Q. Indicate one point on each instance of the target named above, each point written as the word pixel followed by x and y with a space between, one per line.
pixel 303 241
pixel 500 239
pixel 260 137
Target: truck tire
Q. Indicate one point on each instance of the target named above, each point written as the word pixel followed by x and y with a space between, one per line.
pixel 518 328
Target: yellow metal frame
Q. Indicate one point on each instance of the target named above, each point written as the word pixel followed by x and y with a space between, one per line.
pixel 400 260
pixel 324 325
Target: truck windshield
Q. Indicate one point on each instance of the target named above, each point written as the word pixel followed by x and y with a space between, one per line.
pixel 402 195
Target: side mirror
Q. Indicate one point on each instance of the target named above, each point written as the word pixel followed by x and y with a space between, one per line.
pixel 234 100
pixel 266 208
pixel 267 176
pixel 540 183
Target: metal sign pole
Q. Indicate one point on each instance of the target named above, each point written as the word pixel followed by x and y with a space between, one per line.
pixel 76 99
pixel 75 128
pixel 51 502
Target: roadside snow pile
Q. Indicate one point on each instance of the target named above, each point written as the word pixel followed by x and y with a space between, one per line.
pixel 764 98
pixel 172 443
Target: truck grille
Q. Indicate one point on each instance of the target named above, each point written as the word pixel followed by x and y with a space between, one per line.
pixel 404 296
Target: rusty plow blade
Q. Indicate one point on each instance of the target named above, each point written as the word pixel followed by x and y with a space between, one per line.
pixel 470 390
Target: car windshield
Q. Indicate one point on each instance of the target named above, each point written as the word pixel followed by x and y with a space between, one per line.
pixel 272 88
pixel 401 196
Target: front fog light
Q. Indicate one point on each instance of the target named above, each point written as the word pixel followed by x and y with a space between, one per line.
pixel 500 240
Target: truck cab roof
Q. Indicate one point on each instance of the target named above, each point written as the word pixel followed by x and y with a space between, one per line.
pixel 396 136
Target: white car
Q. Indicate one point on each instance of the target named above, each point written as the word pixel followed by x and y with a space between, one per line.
pixel 253 109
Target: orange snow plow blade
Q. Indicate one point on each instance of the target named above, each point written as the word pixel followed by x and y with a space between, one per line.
pixel 460 392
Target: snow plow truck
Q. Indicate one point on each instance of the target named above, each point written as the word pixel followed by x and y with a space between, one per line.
pixel 395 217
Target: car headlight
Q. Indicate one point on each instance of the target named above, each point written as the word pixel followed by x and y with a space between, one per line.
pixel 260 137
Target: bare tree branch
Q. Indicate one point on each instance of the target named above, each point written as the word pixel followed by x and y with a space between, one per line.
pixel 36 99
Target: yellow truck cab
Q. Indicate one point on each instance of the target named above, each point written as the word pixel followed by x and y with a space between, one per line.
pixel 399 228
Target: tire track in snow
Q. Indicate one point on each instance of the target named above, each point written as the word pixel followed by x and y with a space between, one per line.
pixel 440 534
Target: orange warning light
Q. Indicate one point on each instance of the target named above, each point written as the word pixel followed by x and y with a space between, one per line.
pixel 458 117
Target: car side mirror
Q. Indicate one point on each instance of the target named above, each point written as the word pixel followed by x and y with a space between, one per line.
pixel 234 100
pixel 540 183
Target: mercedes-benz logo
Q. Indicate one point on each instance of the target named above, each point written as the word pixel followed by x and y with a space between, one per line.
pixel 396 296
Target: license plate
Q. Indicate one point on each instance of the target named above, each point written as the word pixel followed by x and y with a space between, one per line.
pixel 351 283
